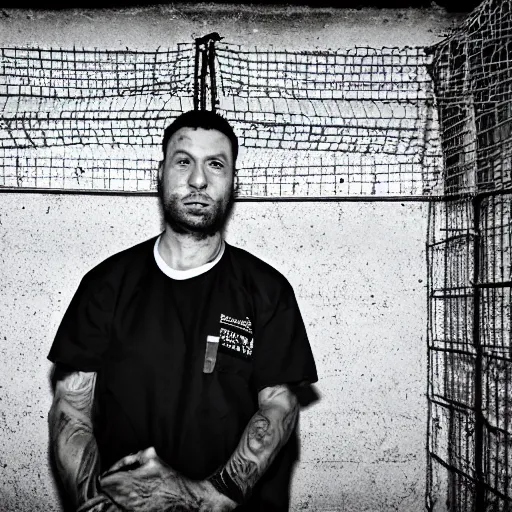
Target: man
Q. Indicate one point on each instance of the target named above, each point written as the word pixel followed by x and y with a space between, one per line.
pixel 178 361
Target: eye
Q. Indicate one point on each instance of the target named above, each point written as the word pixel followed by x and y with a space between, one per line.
pixel 216 164
pixel 182 161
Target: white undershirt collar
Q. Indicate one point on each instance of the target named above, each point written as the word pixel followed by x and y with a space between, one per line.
pixel 180 275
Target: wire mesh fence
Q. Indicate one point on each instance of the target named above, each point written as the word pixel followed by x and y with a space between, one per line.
pixel 339 123
pixel 495 312
pixel 473 82
pixel 452 356
pixel 88 119
pixel 470 353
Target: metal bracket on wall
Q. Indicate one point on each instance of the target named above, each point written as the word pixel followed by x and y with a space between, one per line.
pixel 204 71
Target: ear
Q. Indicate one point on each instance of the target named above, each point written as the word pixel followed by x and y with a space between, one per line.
pixel 161 169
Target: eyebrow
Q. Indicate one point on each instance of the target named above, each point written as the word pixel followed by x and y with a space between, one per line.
pixel 182 151
pixel 221 155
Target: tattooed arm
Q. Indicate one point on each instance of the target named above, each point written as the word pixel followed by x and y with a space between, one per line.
pixel 73 443
pixel 264 436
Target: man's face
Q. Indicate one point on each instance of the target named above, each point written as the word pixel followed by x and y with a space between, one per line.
pixel 196 181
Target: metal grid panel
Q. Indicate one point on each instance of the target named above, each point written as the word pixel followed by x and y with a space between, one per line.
pixel 452 355
pixel 451 260
pixel 495 312
pixel 453 491
pixel 82 73
pixel 88 119
pixel 470 353
pixel 473 82
pixel 356 122
pixel 452 428
pixel 497 429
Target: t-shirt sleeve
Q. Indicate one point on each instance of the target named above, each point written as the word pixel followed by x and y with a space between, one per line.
pixel 282 353
pixel 83 335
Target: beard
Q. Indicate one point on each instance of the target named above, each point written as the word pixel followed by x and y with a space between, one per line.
pixel 198 224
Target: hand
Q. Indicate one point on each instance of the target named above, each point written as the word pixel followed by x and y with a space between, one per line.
pixel 153 486
pixel 100 503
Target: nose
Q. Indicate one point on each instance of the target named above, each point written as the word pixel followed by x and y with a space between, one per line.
pixel 197 177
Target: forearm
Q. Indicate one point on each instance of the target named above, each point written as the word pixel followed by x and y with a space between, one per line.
pixel 75 451
pixel 268 430
pixel 71 433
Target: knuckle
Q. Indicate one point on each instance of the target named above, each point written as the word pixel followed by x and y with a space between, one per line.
pixel 151 452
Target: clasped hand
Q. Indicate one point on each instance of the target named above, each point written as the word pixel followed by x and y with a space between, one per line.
pixel 153 486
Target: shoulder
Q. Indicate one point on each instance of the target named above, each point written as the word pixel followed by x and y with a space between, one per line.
pixel 122 263
pixel 251 263
pixel 256 274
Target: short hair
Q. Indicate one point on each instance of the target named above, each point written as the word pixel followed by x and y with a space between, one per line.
pixel 205 119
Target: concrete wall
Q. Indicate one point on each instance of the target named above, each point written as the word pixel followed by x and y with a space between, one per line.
pixel 358 270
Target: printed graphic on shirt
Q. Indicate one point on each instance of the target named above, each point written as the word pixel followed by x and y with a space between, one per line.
pixel 245 325
pixel 236 335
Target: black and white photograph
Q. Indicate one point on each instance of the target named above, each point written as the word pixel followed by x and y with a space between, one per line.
pixel 256 256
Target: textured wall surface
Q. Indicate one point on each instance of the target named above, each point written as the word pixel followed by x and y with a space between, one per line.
pixel 358 270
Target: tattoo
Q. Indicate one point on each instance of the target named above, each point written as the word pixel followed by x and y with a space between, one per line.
pixel 89 469
pixel 243 471
pixel 260 433
pixel 181 499
pixel 71 432
pixel 266 433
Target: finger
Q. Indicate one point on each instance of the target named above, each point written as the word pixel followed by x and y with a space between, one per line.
pixel 94 504
pixel 117 500
pixel 121 481
pixel 147 454
pixel 117 486
pixel 133 458
pixel 115 480
pixel 123 495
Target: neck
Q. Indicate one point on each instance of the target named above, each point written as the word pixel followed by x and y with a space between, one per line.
pixel 184 252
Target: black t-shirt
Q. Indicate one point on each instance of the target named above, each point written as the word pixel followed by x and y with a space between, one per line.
pixel 145 334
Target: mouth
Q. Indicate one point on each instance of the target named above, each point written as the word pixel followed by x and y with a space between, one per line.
pixel 196 202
